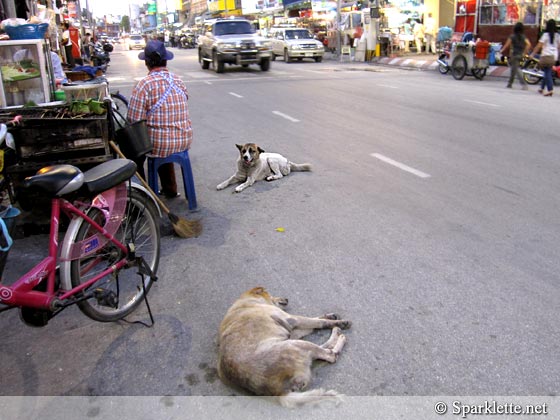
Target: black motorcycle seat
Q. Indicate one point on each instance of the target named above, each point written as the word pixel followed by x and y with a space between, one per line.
pixel 59 180
pixel 56 180
pixel 106 175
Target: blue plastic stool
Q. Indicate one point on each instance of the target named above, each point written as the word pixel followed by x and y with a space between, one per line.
pixel 182 158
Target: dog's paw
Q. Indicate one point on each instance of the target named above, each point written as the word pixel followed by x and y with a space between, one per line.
pixel 331 316
pixel 237 190
pixel 344 324
pixel 220 187
pixel 281 301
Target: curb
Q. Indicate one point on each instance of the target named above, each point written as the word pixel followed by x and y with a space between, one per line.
pixel 431 64
pixel 418 63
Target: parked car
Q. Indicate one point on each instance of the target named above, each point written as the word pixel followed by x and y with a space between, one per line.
pixel 295 43
pixel 136 41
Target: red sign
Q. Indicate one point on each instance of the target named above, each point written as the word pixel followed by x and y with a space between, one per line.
pixel 72 9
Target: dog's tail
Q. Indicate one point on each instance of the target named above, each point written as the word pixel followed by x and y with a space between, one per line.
pixel 314 396
pixel 300 167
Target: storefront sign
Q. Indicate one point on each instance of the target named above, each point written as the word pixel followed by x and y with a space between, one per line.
pixel 72 10
pixel 323 6
pixel 256 6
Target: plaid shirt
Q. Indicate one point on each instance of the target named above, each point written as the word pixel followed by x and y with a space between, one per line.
pixel 169 125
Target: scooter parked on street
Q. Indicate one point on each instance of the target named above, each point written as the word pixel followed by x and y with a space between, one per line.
pixel 100 55
pixel 533 74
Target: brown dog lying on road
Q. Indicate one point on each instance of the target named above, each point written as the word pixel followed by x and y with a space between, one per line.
pixel 260 348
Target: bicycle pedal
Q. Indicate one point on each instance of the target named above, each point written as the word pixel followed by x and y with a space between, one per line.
pixel 106 298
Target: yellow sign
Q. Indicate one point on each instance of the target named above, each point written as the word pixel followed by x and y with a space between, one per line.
pixel 224 5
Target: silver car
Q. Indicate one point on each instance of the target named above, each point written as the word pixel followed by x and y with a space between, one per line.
pixel 136 41
pixel 295 43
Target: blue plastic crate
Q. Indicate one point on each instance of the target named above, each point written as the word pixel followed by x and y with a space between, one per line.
pixel 27 31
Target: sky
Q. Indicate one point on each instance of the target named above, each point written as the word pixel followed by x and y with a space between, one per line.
pixel 100 8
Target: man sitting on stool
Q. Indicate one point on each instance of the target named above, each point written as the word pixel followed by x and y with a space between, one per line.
pixel 161 99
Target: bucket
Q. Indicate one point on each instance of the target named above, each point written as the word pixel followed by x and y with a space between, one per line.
pixel 8 217
pixel 481 50
pixel 59 95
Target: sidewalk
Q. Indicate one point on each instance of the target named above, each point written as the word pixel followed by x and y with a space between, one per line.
pixel 415 61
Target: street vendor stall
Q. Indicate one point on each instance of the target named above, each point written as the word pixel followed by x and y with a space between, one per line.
pixel 26 72
pixel 75 133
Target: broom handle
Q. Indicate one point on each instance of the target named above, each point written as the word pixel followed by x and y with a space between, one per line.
pixel 144 183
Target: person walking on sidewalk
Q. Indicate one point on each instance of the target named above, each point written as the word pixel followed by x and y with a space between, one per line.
pixel 519 45
pixel 161 99
pixel 430 32
pixel 548 45
pixel 418 32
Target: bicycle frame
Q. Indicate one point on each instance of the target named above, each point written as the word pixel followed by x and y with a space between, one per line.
pixel 113 204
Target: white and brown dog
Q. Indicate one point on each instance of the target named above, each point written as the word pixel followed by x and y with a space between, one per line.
pixel 254 164
pixel 260 348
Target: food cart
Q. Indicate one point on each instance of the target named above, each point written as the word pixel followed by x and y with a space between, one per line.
pixel 467 58
pixel 26 72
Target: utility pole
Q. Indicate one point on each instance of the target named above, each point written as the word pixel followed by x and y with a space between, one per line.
pixel 338 33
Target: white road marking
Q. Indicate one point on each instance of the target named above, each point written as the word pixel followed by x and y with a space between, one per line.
pixel 280 114
pixel 235 79
pixel 197 75
pixel 235 94
pixel 481 103
pixel 388 86
pixel 400 165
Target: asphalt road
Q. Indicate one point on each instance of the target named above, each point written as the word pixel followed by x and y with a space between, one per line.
pixel 430 220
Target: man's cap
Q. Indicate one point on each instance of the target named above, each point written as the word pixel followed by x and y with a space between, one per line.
pixel 155 49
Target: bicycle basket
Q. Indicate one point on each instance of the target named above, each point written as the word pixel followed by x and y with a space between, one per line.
pixel 133 138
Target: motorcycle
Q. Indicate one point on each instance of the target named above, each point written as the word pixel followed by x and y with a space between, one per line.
pixel 100 55
pixel 533 74
pixel 443 62
pixel 187 41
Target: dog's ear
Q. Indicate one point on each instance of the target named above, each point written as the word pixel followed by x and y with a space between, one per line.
pixel 258 291
pixel 260 150
pixel 239 146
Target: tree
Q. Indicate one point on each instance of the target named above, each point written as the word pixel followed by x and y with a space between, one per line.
pixel 125 24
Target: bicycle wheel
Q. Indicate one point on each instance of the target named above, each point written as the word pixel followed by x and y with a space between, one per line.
pixel 479 73
pixel 459 67
pixel 120 103
pixel 120 293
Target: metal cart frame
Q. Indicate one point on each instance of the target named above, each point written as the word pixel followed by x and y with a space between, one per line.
pixel 464 62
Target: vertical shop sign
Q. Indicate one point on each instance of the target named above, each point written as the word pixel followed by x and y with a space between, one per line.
pixel 72 10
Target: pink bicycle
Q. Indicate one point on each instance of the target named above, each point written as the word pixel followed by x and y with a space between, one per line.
pixel 109 254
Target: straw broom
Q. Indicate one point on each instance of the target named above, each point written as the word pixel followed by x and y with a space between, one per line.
pixel 183 228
